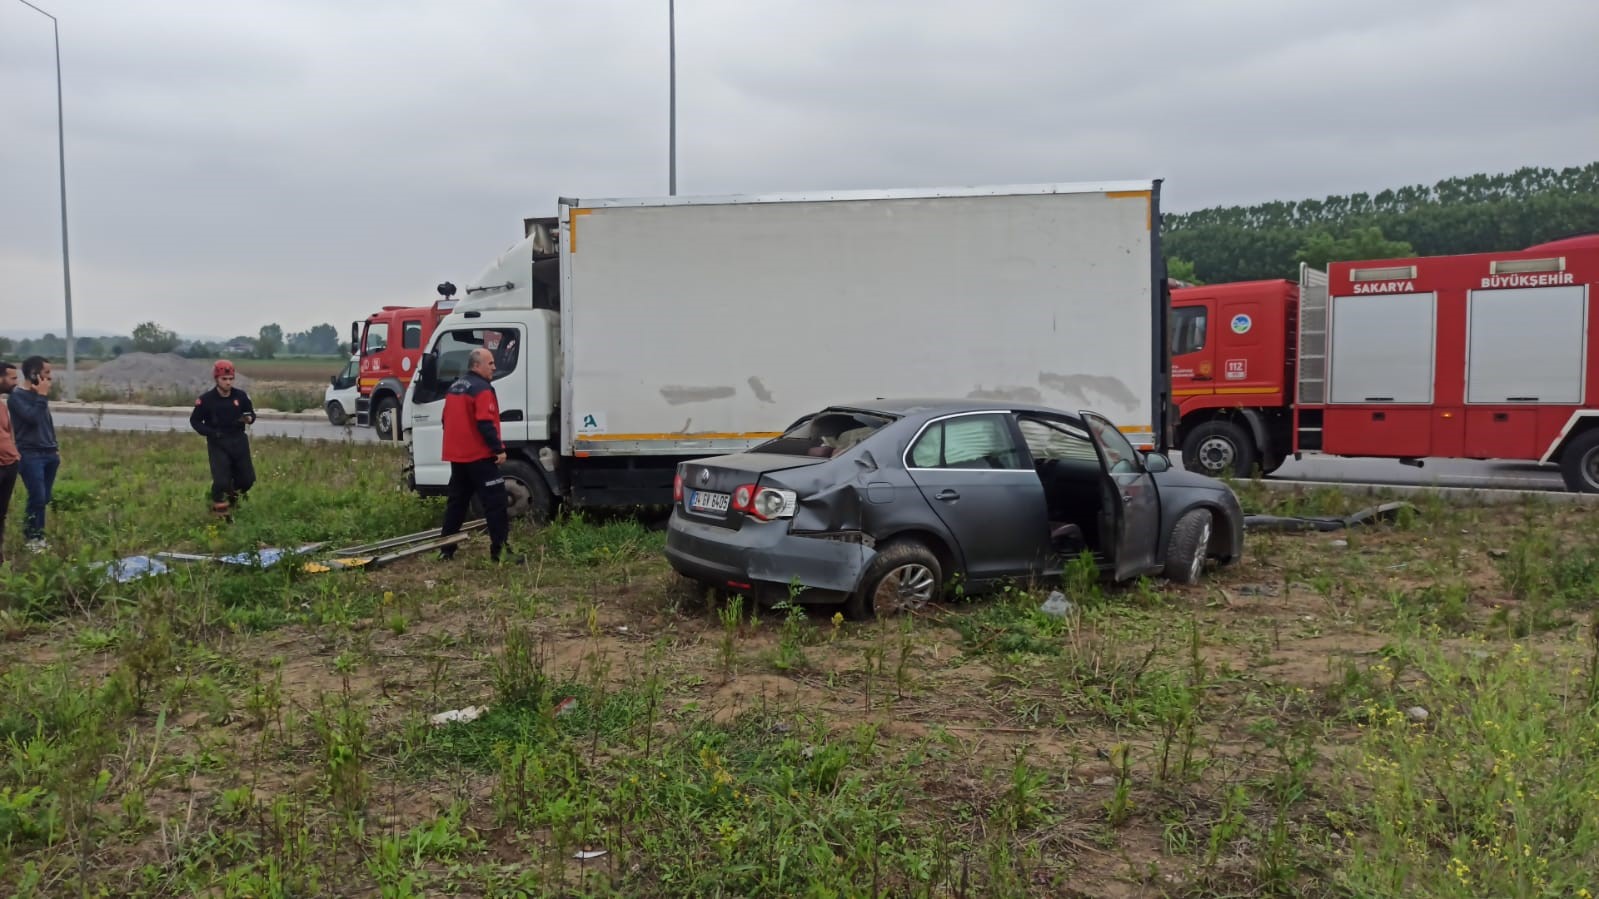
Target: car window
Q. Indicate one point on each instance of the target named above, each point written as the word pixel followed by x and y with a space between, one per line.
pixel 1119 454
pixel 1057 440
pixel 827 433
pixel 1188 325
pixel 968 441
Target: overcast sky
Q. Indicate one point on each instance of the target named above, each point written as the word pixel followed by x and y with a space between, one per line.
pixel 231 164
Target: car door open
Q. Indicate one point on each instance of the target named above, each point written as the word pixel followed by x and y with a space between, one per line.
pixel 1133 509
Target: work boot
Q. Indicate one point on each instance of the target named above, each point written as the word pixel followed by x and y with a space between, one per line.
pixel 221 507
pixel 36 545
pixel 506 557
pixel 447 554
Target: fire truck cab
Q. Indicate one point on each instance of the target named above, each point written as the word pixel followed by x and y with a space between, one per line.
pixel 1480 356
pixel 390 343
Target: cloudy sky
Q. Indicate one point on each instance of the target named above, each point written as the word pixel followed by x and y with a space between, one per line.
pixel 252 161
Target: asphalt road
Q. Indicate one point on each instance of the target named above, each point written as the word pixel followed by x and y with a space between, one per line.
pixel 1436 472
pixel 306 428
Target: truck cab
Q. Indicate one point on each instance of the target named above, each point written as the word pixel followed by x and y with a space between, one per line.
pixel 389 343
pixel 1232 374
pixel 498 315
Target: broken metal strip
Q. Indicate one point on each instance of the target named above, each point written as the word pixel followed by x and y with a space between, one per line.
pixel 379 546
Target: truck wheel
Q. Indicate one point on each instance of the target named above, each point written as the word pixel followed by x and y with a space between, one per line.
pixel 1579 463
pixel 526 492
pixel 386 418
pixel 1187 547
pixel 336 413
pixel 1219 448
pixel 904 576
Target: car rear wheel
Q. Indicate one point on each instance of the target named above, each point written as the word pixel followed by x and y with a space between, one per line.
pixel 904 576
pixel 1188 547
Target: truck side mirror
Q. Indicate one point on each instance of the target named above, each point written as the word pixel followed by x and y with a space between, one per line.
pixel 334 380
pixel 428 369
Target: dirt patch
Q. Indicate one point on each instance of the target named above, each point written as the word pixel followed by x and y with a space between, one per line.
pixel 145 372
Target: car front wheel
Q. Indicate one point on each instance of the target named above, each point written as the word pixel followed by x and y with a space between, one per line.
pixel 904 576
pixel 1188 546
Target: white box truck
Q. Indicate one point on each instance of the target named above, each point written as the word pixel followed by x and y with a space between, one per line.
pixel 631 334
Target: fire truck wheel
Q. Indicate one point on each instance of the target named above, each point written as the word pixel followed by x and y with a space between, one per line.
pixel 1218 448
pixel 527 493
pixel 1579 464
pixel 386 419
pixel 1187 547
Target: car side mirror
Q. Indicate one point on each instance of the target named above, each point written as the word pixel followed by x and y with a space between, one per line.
pixel 428 369
pixel 1155 463
pixel 334 380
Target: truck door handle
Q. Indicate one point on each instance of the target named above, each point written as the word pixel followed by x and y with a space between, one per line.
pixel 510 415
pixel 947 495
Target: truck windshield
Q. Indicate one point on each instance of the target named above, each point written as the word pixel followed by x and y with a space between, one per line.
pixel 377 338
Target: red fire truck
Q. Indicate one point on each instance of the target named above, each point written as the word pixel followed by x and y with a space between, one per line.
pixel 390 343
pixel 1481 356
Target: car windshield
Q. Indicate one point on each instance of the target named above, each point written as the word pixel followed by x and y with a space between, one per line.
pixel 827 433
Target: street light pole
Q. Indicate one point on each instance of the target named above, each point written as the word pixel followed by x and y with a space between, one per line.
pixel 672 79
pixel 61 160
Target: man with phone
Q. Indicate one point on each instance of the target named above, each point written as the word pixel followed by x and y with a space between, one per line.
pixel 40 455
pixel 221 415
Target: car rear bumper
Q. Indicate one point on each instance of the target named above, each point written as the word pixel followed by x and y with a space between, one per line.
pixel 764 558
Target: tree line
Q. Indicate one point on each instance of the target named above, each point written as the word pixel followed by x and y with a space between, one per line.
pixel 1473 214
pixel 151 337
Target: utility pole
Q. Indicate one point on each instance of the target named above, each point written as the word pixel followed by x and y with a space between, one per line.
pixel 61 159
pixel 671 56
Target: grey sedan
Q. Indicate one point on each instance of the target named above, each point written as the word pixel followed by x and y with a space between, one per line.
pixel 880 505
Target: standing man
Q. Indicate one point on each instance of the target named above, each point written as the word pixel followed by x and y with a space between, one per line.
pixel 474 450
pixel 220 415
pixel 35 434
pixel 9 457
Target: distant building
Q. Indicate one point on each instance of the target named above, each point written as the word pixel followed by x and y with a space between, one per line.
pixel 239 348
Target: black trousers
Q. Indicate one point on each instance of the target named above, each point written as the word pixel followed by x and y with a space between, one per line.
pixel 8 484
pixel 232 472
pixel 483 480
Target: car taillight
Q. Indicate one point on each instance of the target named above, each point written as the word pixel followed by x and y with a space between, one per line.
pixel 677 487
pixel 765 503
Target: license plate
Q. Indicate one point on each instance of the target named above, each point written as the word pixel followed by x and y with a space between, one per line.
pixel 707 501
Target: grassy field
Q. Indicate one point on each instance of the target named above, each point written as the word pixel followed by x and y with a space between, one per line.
pixel 1406 710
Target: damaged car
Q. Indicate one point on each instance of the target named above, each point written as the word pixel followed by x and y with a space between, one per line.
pixel 881 505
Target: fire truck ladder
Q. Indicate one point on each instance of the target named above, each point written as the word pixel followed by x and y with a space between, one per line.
pixel 1312 355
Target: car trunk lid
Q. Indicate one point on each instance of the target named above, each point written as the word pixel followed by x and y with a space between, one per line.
pixel 709 485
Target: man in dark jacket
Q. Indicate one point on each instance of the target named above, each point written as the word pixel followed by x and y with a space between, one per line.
pixel 35 433
pixel 474 450
pixel 221 414
pixel 9 457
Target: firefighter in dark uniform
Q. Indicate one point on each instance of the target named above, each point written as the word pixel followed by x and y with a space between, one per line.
pixel 473 447
pixel 221 414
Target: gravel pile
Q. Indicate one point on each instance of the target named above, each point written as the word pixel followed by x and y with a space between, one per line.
pixel 145 372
